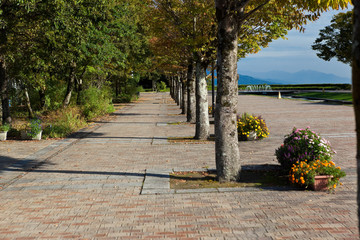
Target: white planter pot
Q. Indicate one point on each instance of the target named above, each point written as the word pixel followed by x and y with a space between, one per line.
pixel 252 136
pixel 3 136
pixel 38 136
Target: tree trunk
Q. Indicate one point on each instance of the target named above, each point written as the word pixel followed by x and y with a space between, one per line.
pixel 184 96
pixel 42 97
pixel 70 86
pixel 356 89
pixel 202 130
pixel 116 87
pixel 226 143
pixel 179 89
pixel 171 86
pixel 4 92
pixel 28 103
pixel 79 92
pixel 191 100
pixel 153 83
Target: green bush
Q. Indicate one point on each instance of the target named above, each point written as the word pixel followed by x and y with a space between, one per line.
pixel 131 93
pixel 65 123
pixel 96 102
pixel 161 86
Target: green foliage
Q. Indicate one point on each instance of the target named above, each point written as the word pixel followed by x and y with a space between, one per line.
pixel 131 93
pixel 45 43
pixel 335 40
pixel 161 86
pixel 34 127
pixel 96 102
pixel 5 127
pixel 66 122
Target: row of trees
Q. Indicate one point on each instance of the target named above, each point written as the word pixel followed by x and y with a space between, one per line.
pixel 50 50
pixel 56 48
pixel 198 33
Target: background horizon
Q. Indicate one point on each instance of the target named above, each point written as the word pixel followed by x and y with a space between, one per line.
pixel 294 55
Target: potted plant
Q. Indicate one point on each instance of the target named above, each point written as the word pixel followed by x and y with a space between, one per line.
pixel 251 127
pixel 3 131
pixel 319 174
pixel 301 145
pixel 210 110
pixel 35 130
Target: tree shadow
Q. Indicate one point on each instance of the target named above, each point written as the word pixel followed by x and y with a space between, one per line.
pixel 265 176
pixel 21 165
pixel 134 114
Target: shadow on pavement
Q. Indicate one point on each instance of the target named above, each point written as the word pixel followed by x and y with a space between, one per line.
pixel 134 114
pixel 93 172
pixel 26 164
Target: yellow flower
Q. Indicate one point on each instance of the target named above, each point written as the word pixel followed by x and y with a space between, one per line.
pixel 334 186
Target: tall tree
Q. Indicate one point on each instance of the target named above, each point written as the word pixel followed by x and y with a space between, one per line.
pixel 231 17
pixel 194 25
pixel 356 88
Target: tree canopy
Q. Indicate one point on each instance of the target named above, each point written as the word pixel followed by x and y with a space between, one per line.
pixel 334 41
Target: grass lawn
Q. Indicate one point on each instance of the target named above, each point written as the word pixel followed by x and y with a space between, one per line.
pixel 327 95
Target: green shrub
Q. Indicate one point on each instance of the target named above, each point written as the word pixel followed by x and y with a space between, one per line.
pixel 161 86
pixel 4 128
pixel 35 127
pixel 65 123
pixel 131 93
pixel 96 102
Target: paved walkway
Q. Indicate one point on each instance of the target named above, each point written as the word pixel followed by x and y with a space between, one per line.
pixel 89 186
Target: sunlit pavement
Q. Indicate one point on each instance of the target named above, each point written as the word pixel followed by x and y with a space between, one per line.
pixel 89 186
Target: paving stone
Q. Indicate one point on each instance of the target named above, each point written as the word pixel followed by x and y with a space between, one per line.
pixel 85 187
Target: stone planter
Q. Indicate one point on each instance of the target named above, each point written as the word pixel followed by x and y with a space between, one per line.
pixel 3 135
pixel 25 136
pixel 321 182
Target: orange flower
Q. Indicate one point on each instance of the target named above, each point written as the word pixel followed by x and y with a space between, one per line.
pixel 334 186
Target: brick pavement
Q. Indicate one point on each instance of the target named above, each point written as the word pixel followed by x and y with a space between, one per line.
pixel 89 187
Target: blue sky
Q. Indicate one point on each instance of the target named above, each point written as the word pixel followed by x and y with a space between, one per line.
pixel 295 54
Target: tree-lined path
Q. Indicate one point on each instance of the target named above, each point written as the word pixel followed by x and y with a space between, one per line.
pixel 89 186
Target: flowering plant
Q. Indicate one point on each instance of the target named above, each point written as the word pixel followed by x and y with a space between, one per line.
pixel 304 172
pixel 210 110
pixel 303 144
pixel 35 127
pixel 247 123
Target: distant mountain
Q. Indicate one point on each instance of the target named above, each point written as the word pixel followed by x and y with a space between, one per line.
pixel 247 80
pixel 301 77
